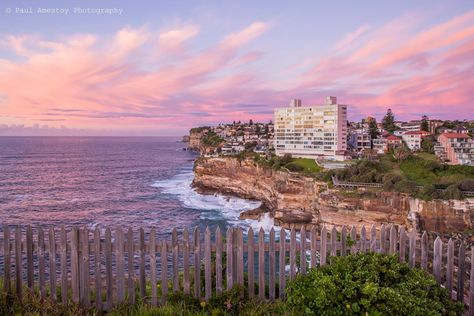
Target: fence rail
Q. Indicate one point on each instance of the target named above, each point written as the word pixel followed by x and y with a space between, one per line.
pixel 64 265
pixel 346 184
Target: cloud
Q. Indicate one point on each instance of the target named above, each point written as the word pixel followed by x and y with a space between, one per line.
pixel 145 80
pixel 351 37
pixel 93 82
pixel 171 41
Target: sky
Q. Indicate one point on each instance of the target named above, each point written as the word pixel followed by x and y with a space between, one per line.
pixel 158 68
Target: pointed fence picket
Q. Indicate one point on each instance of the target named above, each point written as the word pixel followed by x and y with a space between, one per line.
pixel 85 267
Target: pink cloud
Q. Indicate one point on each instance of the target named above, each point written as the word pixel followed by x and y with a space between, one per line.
pixel 145 79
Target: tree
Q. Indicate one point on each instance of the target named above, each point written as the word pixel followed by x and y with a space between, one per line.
pixel 401 153
pixel 427 144
pixel 373 130
pixel 424 123
pixel 250 122
pixel 388 121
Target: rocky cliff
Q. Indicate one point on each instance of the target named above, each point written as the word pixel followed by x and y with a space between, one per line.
pixel 296 200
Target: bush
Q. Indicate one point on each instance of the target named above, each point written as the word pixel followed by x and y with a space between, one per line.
pixel 372 284
pixel 466 185
pixel 406 186
pixel 294 167
pixel 389 181
pixel 453 192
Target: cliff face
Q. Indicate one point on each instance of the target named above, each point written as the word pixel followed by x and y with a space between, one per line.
pixel 296 200
pixel 195 140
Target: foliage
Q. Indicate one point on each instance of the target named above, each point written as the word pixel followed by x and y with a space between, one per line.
pixel 229 303
pixel 199 129
pixel 211 139
pixel 466 185
pixel 427 144
pixel 401 153
pixel 368 284
pixel 390 179
pixel 406 186
pixel 362 171
pixel 373 130
pixel 250 146
pixel 388 121
pixel 452 192
pixel 303 164
pixel 424 123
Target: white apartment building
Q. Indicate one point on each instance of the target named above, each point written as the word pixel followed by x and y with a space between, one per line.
pixel 316 131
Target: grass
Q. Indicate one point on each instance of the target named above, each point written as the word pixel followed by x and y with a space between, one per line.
pixel 229 303
pixel 308 165
pixel 428 156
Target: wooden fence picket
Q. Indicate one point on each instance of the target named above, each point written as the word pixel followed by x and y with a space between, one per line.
pixel 282 263
pixel 424 251
pixel 461 272
pixel 229 259
pixel 261 264
pixel 250 263
pixel 437 258
pixel 197 263
pixel 7 259
pixel 324 252
pixel 271 265
pixel 303 260
pixel 153 275
pixel 175 256
pixel 218 261
pixel 207 264
pixel 292 253
pixel 52 263
pixel 29 260
pixel 186 282
pixel 450 266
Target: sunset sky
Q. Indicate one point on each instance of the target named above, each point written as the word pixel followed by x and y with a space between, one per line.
pixel 162 67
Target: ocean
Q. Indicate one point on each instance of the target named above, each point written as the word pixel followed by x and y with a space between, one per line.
pixel 109 181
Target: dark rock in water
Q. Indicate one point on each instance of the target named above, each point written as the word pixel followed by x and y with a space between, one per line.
pixel 254 214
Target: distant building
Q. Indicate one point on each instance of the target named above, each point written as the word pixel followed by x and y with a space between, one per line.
pixel 394 141
pixel 318 131
pixel 455 148
pixel 413 140
pixel 360 140
pixel 380 145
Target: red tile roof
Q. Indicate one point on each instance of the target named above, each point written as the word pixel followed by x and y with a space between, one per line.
pixel 415 133
pixel 393 137
pixel 455 135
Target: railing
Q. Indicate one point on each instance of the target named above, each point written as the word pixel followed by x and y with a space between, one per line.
pixel 344 184
pixel 63 265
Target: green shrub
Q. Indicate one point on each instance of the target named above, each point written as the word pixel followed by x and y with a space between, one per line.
pixel 466 185
pixel 406 186
pixel 389 181
pixel 453 192
pixel 292 166
pixel 368 284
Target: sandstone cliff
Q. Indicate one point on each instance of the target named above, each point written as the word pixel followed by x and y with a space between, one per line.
pixel 296 200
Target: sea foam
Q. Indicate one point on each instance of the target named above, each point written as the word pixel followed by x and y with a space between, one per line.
pixel 213 206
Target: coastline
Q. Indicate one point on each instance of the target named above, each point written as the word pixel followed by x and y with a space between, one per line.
pixel 296 200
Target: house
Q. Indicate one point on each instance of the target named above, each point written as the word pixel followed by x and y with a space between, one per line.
pixel 380 145
pixel 393 141
pixel 455 148
pixel 413 139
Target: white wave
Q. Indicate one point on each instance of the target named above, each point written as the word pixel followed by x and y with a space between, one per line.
pixel 214 206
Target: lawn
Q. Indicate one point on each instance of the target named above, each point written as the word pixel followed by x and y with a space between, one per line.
pixel 308 165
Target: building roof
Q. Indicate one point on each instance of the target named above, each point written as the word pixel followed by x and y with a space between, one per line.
pixel 455 135
pixel 415 133
pixel 393 137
